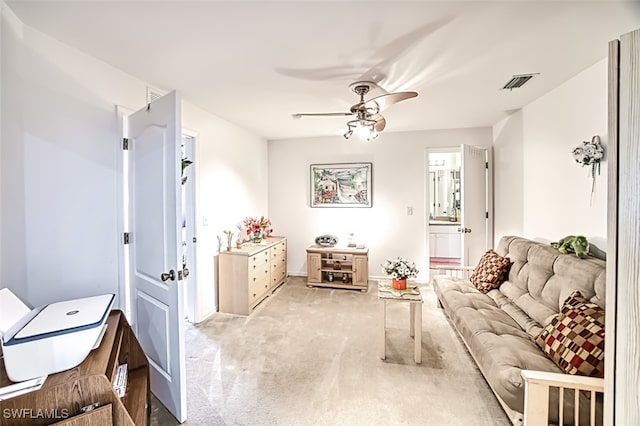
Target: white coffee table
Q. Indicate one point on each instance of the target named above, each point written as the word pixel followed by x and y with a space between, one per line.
pixel 412 295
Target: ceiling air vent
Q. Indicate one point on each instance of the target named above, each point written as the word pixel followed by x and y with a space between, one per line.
pixel 154 93
pixel 518 81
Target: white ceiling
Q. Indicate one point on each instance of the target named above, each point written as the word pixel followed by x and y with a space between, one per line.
pixel 256 63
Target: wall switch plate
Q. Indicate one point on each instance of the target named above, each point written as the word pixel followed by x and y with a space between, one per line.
pixel 409 211
pixel 205 221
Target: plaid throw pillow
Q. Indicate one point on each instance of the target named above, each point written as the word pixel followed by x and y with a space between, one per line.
pixel 576 301
pixel 490 272
pixel 574 339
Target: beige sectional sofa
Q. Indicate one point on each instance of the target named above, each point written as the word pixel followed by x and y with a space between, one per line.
pixel 499 327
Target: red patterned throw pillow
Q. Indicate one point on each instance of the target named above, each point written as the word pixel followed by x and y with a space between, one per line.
pixel 490 272
pixel 574 339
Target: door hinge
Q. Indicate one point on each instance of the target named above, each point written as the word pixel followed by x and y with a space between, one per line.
pixel 125 238
pixel 125 144
pixel 486 215
pixel 486 165
pixel 195 240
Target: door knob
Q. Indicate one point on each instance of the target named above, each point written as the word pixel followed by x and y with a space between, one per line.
pixel 168 276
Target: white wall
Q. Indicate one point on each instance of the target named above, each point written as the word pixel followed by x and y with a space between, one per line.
pixel 556 190
pixel 399 182
pixel 60 171
pixel 508 182
pixel 232 184
pixel 59 168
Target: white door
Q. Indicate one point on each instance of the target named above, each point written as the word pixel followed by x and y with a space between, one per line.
pixel 155 256
pixel 474 206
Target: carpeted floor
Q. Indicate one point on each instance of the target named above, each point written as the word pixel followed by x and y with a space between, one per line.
pixel 308 356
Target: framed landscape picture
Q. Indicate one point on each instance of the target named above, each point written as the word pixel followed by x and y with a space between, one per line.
pixel 341 185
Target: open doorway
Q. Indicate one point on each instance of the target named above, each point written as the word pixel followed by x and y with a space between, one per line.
pixel 459 198
pixel 445 244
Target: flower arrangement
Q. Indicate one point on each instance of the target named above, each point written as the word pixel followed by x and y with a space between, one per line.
pixel 400 268
pixel 589 153
pixel 257 228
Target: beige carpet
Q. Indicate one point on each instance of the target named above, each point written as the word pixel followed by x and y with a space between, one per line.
pixel 308 356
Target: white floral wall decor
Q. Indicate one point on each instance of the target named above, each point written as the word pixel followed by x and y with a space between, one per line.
pixel 590 153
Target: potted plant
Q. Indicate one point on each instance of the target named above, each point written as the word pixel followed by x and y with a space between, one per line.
pixel 399 269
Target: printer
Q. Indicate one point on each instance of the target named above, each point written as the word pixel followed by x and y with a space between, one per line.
pixel 55 337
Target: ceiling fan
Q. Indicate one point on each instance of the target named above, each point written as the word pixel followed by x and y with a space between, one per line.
pixel 368 122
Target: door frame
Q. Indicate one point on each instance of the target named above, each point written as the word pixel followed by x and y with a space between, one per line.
pixel 122 188
pixel 193 283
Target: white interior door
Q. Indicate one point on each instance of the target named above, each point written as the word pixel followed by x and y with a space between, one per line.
pixel 155 247
pixel 474 208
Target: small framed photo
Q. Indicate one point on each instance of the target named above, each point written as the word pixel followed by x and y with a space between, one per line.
pixel 341 185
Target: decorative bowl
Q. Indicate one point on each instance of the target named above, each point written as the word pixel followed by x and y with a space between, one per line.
pixel 326 240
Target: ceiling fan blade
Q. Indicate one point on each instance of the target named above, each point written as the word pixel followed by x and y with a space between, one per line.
pixel 381 123
pixel 321 114
pixel 381 102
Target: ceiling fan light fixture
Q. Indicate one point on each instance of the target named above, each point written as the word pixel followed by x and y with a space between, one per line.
pixel 363 128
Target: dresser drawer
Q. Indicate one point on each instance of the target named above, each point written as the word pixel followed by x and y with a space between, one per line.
pixel 259 272
pixel 257 288
pixel 280 259
pixel 278 262
pixel 279 249
pixel 259 258
pixel 278 274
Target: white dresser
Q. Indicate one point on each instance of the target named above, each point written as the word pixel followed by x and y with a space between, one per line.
pixel 249 274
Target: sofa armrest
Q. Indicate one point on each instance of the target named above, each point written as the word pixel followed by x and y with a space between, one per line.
pixel 463 272
pixel 536 395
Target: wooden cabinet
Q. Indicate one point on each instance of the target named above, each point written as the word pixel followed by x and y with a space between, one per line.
pixel 247 275
pixel 63 395
pixel 445 241
pixel 339 267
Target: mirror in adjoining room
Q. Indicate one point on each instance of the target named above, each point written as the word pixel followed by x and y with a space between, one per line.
pixel 444 187
pixel 445 242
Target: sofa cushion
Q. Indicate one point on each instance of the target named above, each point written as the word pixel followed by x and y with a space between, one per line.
pixel 490 272
pixel 541 278
pixel 497 342
pixel 574 339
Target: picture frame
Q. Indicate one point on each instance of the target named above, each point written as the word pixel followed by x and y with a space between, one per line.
pixel 341 185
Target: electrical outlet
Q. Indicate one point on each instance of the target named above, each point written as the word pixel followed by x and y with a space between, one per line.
pixel 205 221
pixel 409 211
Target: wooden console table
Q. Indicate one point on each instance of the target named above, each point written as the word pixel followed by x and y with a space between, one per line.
pixel 327 266
pixel 63 395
